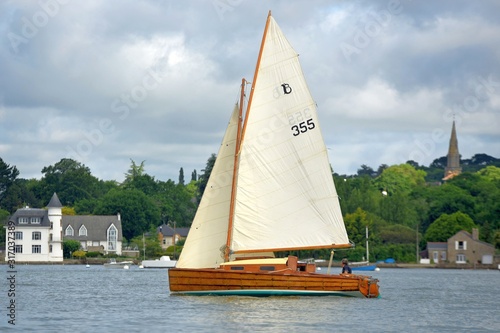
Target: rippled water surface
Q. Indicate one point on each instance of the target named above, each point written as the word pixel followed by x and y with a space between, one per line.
pixel 73 298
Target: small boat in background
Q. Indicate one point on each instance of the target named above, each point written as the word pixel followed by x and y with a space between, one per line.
pixel 115 264
pixel 163 262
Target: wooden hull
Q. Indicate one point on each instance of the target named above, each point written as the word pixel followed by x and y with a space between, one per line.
pixel 244 283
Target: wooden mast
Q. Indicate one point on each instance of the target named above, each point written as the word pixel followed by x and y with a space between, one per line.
pixel 235 173
pixel 256 74
pixel 239 140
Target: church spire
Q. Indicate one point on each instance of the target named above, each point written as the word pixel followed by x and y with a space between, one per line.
pixel 453 165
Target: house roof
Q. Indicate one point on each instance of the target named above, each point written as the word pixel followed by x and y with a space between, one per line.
pixel 31 212
pixel 469 235
pixel 437 245
pixel 168 231
pixel 96 225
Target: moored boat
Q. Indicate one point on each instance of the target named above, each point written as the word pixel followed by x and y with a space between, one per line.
pixel 118 264
pixel 163 262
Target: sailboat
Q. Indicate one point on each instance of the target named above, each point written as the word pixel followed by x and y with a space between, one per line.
pixel 270 190
pixel 364 265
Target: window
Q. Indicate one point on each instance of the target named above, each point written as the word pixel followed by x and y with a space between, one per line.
pixel 435 256
pixel 237 268
pixel 443 255
pixel 460 245
pixel 461 259
pixel 36 235
pixel 69 231
pixel 82 231
pixel 267 268
pixel 51 225
pixel 23 220
pixel 19 249
pixel 112 238
pixel 50 248
pixel 50 237
pixel 35 220
pixel 19 235
pixel 36 249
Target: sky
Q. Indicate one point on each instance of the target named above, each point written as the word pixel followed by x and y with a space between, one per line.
pixel 110 82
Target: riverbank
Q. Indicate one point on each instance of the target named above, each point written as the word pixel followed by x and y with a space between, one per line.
pixel 413 265
pixel 101 261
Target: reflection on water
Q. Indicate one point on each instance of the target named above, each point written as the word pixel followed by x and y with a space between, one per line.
pixel 78 299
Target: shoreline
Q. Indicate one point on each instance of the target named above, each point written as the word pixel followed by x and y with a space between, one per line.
pixel 101 261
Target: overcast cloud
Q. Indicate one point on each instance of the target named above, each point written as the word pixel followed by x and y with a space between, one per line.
pixel 104 82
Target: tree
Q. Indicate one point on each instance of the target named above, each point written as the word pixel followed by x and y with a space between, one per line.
pixel 194 176
pixel 400 179
pixel 8 175
pixel 147 243
pixel 205 175
pixel 356 224
pixel 366 171
pixel 381 169
pixel 397 234
pixel 138 211
pixel 491 173
pixel 71 180
pixel 181 176
pixel 175 202
pixel 448 225
pixel 134 171
pixel 70 246
pixel 20 194
pixel 3 222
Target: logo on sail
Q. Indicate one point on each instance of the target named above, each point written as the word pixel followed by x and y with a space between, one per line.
pixel 286 88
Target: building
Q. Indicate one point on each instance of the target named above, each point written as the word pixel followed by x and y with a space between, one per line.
pixel 462 248
pixel 452 168
pixel 437 251
pixel 169 236
pixel 96 233
pixel 39 234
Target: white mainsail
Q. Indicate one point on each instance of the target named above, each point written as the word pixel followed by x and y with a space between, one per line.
pixel 208 232
pixel 285 195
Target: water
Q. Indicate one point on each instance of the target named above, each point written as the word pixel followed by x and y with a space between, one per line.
pixel 73 298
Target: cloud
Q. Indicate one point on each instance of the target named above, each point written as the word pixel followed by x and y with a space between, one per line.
pixel 106 82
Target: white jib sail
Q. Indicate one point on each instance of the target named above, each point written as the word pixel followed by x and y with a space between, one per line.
pixel 208 232
pixel 286 197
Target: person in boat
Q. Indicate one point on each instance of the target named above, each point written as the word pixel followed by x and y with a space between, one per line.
pixel 345 267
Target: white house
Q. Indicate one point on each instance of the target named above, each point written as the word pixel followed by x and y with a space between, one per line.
pixel 39 233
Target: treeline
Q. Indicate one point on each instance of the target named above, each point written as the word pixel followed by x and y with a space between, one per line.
pixel 404 206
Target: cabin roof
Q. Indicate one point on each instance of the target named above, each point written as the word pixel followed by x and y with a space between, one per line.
pixel 263 261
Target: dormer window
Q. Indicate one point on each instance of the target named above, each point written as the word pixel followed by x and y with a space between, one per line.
pixel 35 220
pixel 69 231
pixel 23 220
pixel 82 231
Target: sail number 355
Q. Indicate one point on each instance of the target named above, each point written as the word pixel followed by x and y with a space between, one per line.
pixel 303 127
